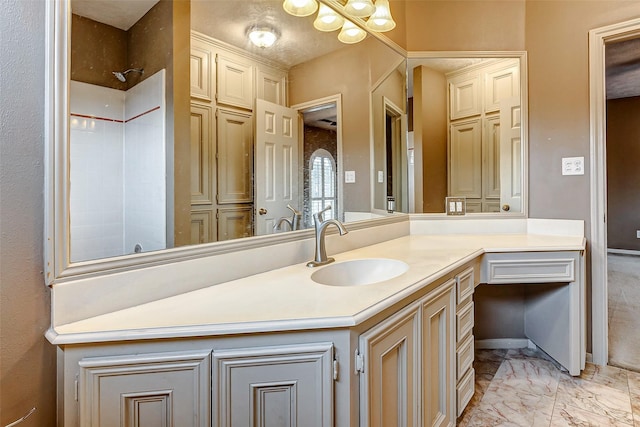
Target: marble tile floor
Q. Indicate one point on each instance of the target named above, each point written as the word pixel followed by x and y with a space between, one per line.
pixel 524 387
pixel 623 276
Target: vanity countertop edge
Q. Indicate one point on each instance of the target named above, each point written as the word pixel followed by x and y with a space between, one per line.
pixel 286 299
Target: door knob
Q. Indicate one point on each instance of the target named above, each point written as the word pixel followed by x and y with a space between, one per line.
pixel 262 211
pixel 506 208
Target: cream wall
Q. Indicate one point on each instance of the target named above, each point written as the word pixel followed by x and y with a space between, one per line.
pixel 554 33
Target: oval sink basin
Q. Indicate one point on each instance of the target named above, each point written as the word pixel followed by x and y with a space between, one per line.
pixel 359 272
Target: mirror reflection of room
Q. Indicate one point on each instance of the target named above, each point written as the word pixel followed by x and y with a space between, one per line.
pixel 169 145
pixel 465 133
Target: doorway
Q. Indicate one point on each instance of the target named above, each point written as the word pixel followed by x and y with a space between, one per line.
pixel 599 39
pixel 321 158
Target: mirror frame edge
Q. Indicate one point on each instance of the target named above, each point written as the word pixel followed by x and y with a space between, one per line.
pixel 521 55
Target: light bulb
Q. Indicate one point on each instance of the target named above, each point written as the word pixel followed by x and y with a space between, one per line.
pixel 262 37
pixel 381 19
pixel 359 8
pixel 351 33
pixel 328 19
pixel 300 7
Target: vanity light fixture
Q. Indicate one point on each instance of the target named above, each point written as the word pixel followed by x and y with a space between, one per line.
pixel 351 33
pixel 381 19
pixel 359 8
pixel 300 7
pixel 328 19
pixel 262 37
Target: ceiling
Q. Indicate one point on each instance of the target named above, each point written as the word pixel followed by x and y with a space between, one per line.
pixel 622 66
pixel 229 21
pixel 121 14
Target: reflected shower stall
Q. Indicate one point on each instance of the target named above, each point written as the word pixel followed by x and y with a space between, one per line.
pixel 117 137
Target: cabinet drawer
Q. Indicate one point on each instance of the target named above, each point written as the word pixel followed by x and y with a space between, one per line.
pixel 464 391
pixel 464 357
pixel 464 321
pixel 527 268
pixel 464 285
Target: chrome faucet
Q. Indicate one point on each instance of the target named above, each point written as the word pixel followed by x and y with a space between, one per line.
pixel 321 227
pixel 293 222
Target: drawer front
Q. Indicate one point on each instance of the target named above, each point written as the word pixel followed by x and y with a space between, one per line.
pixel 464 391
pixel 464 357
pixel 464 321
pixel 527 268
pixel 464 285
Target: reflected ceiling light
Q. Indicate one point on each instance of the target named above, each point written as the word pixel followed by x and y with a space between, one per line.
pixel 300 7
pixel 262 37
pixel 328 19
pixel 351 33
pixel 381 19
pixel 359 8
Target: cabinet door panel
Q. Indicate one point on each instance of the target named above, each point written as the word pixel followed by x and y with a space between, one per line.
pixel 161 389
pixel 464 97
pixel 201 71
pixel 235 82
pixel 274 386
pixel 465 150
pixel 438 357
pixel 235 222
pixel 502 81
pixel 271 86
pixel 235 156
pixel 388 385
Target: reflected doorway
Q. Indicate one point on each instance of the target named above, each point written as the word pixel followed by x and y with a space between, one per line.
pixel 320 159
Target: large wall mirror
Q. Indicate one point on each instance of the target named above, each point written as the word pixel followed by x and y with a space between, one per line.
pixel 467 132
pixel 165 145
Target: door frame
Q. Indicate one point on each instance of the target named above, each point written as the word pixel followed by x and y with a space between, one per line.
pixel 301 107
pixel 598 37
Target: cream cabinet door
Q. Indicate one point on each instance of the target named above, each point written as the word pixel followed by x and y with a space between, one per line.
pixel 491 159
pixel 465 97
pixel 234 156
pixel 465 159
pixel 271 85
pixel 202 73
pixel 438 357
pixel 235 222
pixel 502 81
pixel 159 389
pixel 235 82
pixel 284 386
pixel 389 382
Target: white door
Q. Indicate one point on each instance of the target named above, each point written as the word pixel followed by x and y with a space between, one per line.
pixel 510 155
pixel 276 167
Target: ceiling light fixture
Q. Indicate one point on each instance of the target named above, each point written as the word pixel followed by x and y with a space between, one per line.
pixel 300 7
pixel 262 37
pixel 381 19
pixel 328 19
pixel 351 33
pixel 359 8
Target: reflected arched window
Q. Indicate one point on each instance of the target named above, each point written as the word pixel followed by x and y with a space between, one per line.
pixel 322 183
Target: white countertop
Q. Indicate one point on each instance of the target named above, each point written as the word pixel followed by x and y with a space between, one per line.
pixel 287 298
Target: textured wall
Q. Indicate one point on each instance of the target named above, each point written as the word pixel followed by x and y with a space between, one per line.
pixel 27 360
pixel 623 174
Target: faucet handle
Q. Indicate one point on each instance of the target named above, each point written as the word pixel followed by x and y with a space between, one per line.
pixel 319 214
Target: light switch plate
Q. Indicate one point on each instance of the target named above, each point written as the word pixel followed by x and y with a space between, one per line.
pixel 349 177
pixel 573 166
pixel 380 176
pixel 456 205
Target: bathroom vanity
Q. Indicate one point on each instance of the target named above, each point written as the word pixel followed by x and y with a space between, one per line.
pixel 277 348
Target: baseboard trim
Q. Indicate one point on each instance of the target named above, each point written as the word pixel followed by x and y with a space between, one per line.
pixel 623 252
pixel 504 343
